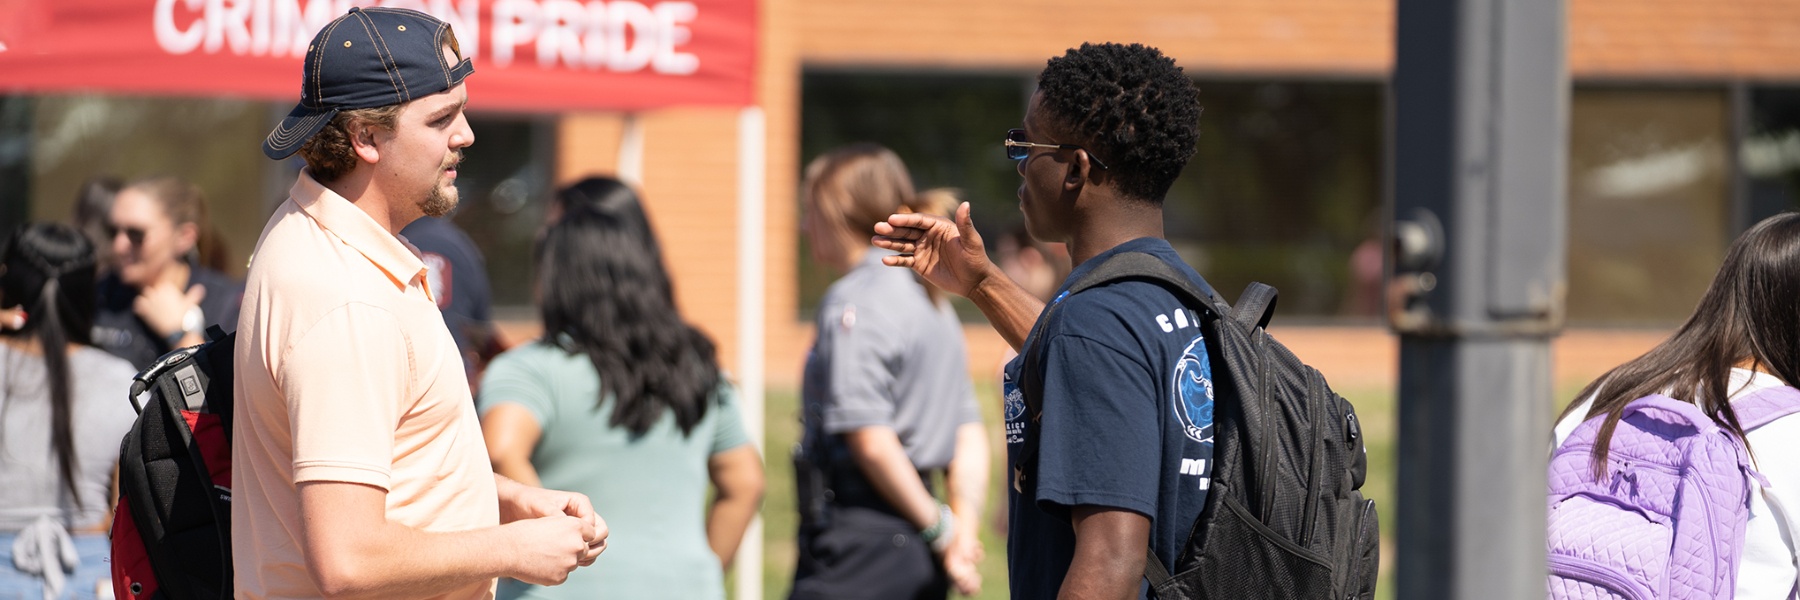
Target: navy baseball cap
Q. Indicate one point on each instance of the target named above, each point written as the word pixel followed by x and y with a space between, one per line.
pixel 367 58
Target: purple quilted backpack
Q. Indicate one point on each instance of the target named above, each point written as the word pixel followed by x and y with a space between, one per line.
pixel 1667 520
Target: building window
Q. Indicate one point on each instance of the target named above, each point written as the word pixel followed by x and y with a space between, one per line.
pixel 1649 217
pixel 504 183
pixel 1769 154
pixel 946 127
pixel 1284 188
pixel 61 141
pixel 214 143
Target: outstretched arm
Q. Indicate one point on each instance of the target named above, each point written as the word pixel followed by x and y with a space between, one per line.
pixel 950 255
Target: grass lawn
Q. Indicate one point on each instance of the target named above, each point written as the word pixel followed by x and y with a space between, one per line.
pixel 780 521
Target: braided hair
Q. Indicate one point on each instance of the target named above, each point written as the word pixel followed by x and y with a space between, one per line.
pixel 1131 107
pixel 49 269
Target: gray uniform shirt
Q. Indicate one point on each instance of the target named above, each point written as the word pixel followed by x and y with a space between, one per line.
pixel 887 355
pixel 101 415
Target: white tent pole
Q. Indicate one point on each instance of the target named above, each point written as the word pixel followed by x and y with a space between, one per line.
pixel 631 152
pixel 752 138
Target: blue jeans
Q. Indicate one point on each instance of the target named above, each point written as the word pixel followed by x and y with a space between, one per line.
pixel 94 572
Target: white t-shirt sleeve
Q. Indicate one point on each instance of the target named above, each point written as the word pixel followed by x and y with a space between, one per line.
pixel 1566 427
pixel 1767 568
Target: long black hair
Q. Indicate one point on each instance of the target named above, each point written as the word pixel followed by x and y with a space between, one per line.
pixel 1749 314
pixel 48 269
pixel 604 293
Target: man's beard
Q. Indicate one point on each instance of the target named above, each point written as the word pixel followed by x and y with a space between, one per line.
pixel 440 202
pixel 442 198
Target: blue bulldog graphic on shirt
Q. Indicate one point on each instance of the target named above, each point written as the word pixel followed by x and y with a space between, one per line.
pixel 1193 389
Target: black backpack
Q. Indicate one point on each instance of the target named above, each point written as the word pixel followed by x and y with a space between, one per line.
pixel 1284 517
pixel 171 536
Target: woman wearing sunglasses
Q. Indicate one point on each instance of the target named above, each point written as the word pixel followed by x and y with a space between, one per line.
pixel 158 297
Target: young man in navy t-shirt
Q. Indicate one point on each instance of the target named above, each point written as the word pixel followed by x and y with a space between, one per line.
pixel 1124 444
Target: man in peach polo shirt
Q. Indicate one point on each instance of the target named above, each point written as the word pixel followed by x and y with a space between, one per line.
pixel 358 460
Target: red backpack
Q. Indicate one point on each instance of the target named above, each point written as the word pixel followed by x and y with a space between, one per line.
pixel 171 532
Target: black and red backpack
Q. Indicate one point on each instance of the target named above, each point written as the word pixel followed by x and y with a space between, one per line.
pixel 171 531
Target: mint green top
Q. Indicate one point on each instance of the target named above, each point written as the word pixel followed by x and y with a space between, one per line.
pixel 651 490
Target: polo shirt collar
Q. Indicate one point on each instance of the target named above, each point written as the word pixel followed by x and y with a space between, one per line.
pixel 396 257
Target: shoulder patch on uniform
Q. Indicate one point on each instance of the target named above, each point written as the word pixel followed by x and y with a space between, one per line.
pixel 438 275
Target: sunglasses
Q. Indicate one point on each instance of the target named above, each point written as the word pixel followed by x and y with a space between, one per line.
pixel 1017 147
pixel 135 235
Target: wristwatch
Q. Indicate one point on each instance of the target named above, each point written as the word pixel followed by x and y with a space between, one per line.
pixel 191 322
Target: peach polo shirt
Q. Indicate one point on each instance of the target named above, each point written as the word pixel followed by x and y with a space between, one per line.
pixel 345 372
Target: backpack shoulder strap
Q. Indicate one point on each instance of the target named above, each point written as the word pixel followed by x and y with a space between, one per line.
pixel 1124 265
pixel 1765 406
pixel 1255 306
pixel 1686 411
pixel 1154 571
pixel 146 378
pixel 1139 265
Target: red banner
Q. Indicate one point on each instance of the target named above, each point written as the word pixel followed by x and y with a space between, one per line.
pixel 530 55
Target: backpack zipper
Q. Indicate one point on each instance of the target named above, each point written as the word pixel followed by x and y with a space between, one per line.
pixel 1314 491
pixel 1267 443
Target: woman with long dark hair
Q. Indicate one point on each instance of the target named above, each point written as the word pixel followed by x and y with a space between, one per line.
pixel 1744 337
pixel 63 410
pixel 887 403
pixel 623 400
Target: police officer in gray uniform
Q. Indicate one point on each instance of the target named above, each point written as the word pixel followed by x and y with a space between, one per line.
pixel 888 401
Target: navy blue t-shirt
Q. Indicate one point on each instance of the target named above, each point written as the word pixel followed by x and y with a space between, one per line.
pixel 458 277
pixel 1127 420
pixel 117 328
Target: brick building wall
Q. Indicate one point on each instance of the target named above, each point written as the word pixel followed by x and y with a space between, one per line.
pixel 690 172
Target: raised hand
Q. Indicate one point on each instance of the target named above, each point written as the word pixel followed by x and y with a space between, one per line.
pixel 162 306
pixel 948 254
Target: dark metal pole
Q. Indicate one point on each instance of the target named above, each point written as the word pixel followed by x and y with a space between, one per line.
pixel 1479 114
pixel 16 114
